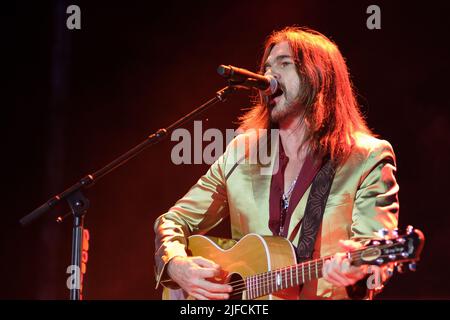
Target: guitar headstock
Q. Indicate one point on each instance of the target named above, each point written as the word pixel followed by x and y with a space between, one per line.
pixel 393 248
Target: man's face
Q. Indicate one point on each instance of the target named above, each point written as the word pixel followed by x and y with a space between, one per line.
pixel 280 64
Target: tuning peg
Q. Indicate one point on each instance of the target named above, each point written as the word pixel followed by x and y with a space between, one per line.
pixel 409 229
pixel 412 266
pixel 395 233
pixel 383 233
pixel 399 268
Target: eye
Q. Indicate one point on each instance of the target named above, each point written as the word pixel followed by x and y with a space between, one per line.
pixel 285 63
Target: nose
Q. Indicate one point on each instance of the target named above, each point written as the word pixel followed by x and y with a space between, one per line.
pixel 271 72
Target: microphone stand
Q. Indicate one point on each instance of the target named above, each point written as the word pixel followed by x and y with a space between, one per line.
pixel 79 204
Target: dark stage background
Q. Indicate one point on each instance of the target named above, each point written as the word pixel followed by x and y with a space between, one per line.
pixel 75 99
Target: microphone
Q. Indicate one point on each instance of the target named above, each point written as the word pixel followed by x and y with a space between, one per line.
pixel 267 84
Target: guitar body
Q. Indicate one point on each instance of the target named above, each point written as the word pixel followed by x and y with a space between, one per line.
pixel 253 254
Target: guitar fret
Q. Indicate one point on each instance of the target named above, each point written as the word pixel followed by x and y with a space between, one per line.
pixel 292 278
pixel 278 281
pixel 258 288
pixel 271 282
pixel 260 285
pixel 286 276
pixel 264 283
pixel 317 269
pixel 309 271
pixel 275 279
pixel 251 287
pixel 303 273
pixel 267 284
pixel 247 287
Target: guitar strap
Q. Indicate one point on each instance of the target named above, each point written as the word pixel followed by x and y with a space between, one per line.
pixel 315 207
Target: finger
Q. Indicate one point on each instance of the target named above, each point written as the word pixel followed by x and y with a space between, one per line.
pixel 198 296
pixel 356 272
pixel 352 274
pixel 206 263
pixel 339 279
pixel 208 266
pixel 349 245
pixel 334 272
pixel 326 274
pixel 348 270
pixel 344 268
pixel 331 265
pixel 212 295
pixel 214 287
pixel 336 262
pixel 207 272
pixel 325 268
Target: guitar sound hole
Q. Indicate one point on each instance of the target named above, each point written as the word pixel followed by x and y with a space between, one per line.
pixel 238 284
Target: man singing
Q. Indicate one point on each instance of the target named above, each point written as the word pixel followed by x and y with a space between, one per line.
pixel 321 133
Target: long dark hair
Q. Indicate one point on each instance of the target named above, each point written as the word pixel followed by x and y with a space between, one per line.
pixel 332 114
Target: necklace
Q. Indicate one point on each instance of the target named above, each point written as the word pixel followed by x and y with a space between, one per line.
pixel 287 196
pixel 284 205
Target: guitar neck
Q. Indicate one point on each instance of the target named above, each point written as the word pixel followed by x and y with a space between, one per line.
pixel 272 281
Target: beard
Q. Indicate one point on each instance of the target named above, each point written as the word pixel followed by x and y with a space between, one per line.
pixel 284 109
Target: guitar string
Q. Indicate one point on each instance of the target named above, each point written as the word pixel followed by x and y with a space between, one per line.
pixel 353 255
pixel 300 265
pixel 272 275
pixel 283 272
pixel 271 280
pixel 243 287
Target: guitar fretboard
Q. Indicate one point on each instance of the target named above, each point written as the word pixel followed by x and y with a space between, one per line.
pixel 266 283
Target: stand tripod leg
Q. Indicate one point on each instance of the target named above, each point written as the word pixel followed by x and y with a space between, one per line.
pixel 77 238
pixel 78 205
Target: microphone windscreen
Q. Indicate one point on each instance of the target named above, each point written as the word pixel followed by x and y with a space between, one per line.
pixel 224 71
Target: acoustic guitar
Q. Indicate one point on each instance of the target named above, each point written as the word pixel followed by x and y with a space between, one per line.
pixel 265 267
